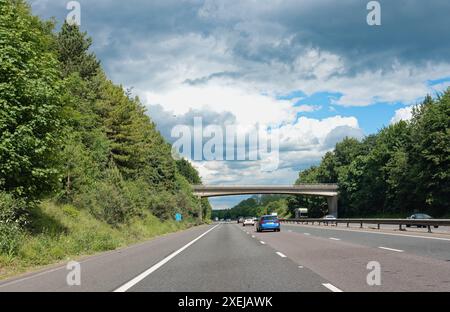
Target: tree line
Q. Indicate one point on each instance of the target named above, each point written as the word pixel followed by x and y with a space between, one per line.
pixel 69 133
pixel 256 206
pixel 404 168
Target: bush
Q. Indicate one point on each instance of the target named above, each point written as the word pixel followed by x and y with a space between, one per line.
pixel 162 205
pixel 12 219
pixel 10 238
pixel 110 199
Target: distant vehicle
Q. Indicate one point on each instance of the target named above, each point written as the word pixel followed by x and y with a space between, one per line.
pixel 240 220
pixel 420 216
pixel 255 219
pixel 228 220
pixel 329 217
pixel 248 221
pixel 301 213
pixel 221 220
pixel 274 214
pixel 268 223
pixel 216 219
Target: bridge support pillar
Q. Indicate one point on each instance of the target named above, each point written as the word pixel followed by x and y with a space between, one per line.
pixel 333 205
pixel 200 213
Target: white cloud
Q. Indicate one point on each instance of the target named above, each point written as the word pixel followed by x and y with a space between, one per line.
pixel 247 105
pixel 440 87
pixel 302 144
pixel 402 114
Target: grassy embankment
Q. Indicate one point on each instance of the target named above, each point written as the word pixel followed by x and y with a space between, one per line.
pixel 60 233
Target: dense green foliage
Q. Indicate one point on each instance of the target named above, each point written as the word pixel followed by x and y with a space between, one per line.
pixel 256 206
pixel 70 135
pixel 30 104
pixel 403 168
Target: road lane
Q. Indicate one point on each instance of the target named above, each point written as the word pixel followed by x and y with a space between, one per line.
pixel 232 258
pixel 161 263
pixel 344 263
pixel 106 271
pixel 228 259
pixel 414 244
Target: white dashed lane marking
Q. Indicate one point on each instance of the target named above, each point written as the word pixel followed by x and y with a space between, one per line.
pixel 391 249
pixel 332 287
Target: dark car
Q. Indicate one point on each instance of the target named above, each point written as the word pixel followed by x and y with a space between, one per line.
pixel 268 223
pixel 420 216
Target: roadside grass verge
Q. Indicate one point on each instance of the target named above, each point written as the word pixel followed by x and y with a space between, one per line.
pixel 63 232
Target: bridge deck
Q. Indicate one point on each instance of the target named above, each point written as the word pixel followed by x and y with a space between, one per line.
pixel 328 190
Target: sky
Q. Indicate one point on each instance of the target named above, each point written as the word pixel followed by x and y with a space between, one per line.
pixel 313 70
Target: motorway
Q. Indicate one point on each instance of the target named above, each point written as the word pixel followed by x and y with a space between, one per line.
pixel 229 257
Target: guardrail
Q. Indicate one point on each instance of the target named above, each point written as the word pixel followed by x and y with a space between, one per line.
pixel 400 222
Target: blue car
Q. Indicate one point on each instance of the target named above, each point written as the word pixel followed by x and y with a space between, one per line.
pixel 268 223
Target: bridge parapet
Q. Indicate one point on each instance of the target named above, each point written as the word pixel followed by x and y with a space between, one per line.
pixel 306 189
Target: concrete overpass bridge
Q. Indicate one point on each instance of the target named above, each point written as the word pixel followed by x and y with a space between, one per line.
pixel 330 191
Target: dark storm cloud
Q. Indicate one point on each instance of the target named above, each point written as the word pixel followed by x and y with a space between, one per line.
pixel 203 80
pixel 412 31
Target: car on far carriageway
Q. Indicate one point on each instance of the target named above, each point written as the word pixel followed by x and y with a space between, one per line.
pixel 248 221
pixel 329 217
pixel 268 223
pixel 420 216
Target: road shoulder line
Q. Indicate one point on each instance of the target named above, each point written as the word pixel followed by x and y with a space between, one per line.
pixel 155 267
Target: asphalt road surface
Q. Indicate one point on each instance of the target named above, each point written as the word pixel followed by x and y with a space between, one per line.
pixel 229 257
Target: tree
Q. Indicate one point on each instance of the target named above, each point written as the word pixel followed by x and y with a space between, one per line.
pixel 73 46
pixel 430 153
pixel 188 171
pixel 30 105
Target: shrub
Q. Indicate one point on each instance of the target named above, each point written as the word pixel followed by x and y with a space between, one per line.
pixel 110 199
pixel 162 205
pixel 12 219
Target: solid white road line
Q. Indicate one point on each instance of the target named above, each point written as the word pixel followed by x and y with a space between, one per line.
pixel 262 242
pixel 391 249
pixel 146 273
pixel 332 287
pixel 334 238
pixel 306 233
pixel 280 254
